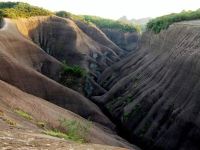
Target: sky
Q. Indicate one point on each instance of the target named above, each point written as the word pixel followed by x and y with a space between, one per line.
pixel 114 9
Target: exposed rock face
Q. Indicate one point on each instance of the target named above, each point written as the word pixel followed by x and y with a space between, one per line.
pixel 154 92
pixel 26 83
pixel 125 40
pixel 21 65
pixel 74 42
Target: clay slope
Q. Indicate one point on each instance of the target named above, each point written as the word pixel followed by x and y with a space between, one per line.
pixel 73 42
pixel 28 134
pixel 27 67
pixel 154 93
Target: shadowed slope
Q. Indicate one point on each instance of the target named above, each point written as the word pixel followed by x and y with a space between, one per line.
pixel 21 62
pixel 154 92
pixel 125 40
pixel 64 40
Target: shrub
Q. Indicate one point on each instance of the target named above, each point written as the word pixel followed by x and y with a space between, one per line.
pixel 108 23
pixel 10 122
pixel 164 22
pixel 41 124
pixel 8 4
pixel 64 14
pixel 74 130
pixel 73 77
pixel 74 71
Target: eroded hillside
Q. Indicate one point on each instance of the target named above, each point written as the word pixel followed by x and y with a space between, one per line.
pixel 154 92
pixel 28 88
pixel 91 84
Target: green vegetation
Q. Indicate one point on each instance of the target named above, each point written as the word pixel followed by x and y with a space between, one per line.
pixel 21 10
pixel 74 71
pixel 56 133
pixel 23 114
pixel 108 23
pixel 75 130
pixel 100 22
pixel 73 77
pixel 8 121
pixel 164 22
pixel 41 124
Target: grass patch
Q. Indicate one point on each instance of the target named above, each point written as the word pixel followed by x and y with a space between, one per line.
pixel 56 133
pixel 73 77
pixel 41 124
pixel 10 122
pixel 23 114
pixel 71 130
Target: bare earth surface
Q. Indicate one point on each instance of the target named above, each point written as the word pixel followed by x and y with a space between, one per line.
pixel 154 92
pixel 26 83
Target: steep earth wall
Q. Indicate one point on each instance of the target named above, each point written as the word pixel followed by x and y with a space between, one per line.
pixel 74 42
pixel 154 92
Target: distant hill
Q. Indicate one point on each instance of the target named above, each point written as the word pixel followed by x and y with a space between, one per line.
pixel 142 21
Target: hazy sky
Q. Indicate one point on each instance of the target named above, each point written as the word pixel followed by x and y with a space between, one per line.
pixel 117 8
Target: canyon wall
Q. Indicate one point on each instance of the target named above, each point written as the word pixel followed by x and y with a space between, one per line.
pixel 153 94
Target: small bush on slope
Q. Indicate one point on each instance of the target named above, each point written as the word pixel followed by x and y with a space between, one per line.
pixel 73 77
pixel 164 22
pixel 75 130
pixel 74 71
